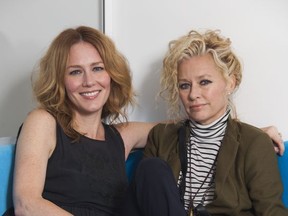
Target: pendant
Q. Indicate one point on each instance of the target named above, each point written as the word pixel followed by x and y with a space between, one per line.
pixel 190 213
pixel 190 210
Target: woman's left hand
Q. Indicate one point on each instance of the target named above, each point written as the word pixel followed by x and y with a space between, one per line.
pixel 276 136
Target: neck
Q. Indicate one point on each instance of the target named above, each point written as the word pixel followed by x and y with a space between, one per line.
pixel 90 126
pixel 222 118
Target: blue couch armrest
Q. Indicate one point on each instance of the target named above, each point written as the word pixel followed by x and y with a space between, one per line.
pixel 283 167
pixel 7 149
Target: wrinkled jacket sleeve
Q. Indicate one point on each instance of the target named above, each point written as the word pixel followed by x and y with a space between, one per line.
pixel 263 178
pixel 152 144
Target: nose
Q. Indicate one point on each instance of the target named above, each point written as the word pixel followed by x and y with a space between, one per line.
pixel 194 92
pixel 88 79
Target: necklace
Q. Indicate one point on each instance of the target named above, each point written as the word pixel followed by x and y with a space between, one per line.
pixel 183 150
pixel 211 183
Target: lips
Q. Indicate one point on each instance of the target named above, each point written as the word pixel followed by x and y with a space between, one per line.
pixel 197 107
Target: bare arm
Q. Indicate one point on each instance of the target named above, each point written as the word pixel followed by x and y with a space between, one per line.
pixel 134 134
pixel 274 134
pixel 34 147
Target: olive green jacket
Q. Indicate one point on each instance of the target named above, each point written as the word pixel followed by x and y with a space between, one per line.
pixel 247 180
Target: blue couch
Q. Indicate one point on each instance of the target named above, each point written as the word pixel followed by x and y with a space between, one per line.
pixel 7 148
pixel 283 167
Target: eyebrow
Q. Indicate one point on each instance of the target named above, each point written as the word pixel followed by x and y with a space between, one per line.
pixel 79 66
pixel 198 77
pixel 204 76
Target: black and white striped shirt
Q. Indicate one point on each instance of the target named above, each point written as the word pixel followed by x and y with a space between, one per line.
pixel 202 149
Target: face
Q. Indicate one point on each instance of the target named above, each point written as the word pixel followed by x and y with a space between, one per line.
pixel 202 89
pixel 87 82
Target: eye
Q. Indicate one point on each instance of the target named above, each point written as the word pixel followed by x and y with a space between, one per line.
pixel 184 86
pixel 205 82
pixel 75 72
pixel 98 68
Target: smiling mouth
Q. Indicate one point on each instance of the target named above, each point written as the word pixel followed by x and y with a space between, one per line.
pixel 90 94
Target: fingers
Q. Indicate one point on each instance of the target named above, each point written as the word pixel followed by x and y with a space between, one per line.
pixel 280 148
pixel 278 141
pixel 276 149
pixel 276 136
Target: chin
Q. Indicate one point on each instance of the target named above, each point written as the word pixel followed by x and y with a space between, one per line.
pixel 201 121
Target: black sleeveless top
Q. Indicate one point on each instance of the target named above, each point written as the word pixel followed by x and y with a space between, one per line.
pixel 87 177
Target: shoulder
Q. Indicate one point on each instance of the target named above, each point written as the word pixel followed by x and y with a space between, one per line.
pixel 40 119
pixel 112 130
pixel 163 141
pixel 249 130
pixel 248 134
pixel 167 129
pixel 38 128
pixel 164 134
pixel 40 115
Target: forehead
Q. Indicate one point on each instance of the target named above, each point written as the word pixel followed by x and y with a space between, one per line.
pixel 83 50
pixel 203 65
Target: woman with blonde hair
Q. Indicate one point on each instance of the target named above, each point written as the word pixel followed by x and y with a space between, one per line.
pixel 208 162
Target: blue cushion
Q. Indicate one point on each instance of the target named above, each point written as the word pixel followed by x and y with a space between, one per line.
pixel 283 167
pixel 7 148
pixel 132 162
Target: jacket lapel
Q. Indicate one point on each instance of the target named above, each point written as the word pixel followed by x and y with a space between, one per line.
pixel 227 155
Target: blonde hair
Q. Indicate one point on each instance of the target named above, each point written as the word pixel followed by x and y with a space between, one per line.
pixel 196 44
pixel 49 88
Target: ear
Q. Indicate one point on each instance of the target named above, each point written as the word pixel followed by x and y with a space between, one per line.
pixel 231 83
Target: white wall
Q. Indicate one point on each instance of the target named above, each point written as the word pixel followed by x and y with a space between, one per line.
pixel 142 30
pixel 258 30
pixel 26 30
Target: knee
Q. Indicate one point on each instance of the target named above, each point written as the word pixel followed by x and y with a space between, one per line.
pixel 152 167
pixel 153 163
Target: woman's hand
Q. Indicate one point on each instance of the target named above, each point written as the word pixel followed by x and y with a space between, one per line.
pixel 276 136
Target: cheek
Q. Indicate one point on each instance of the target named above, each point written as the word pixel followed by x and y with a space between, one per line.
pixel 70 86
pixel 106 80
pixel 219 96
pixel 183 97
